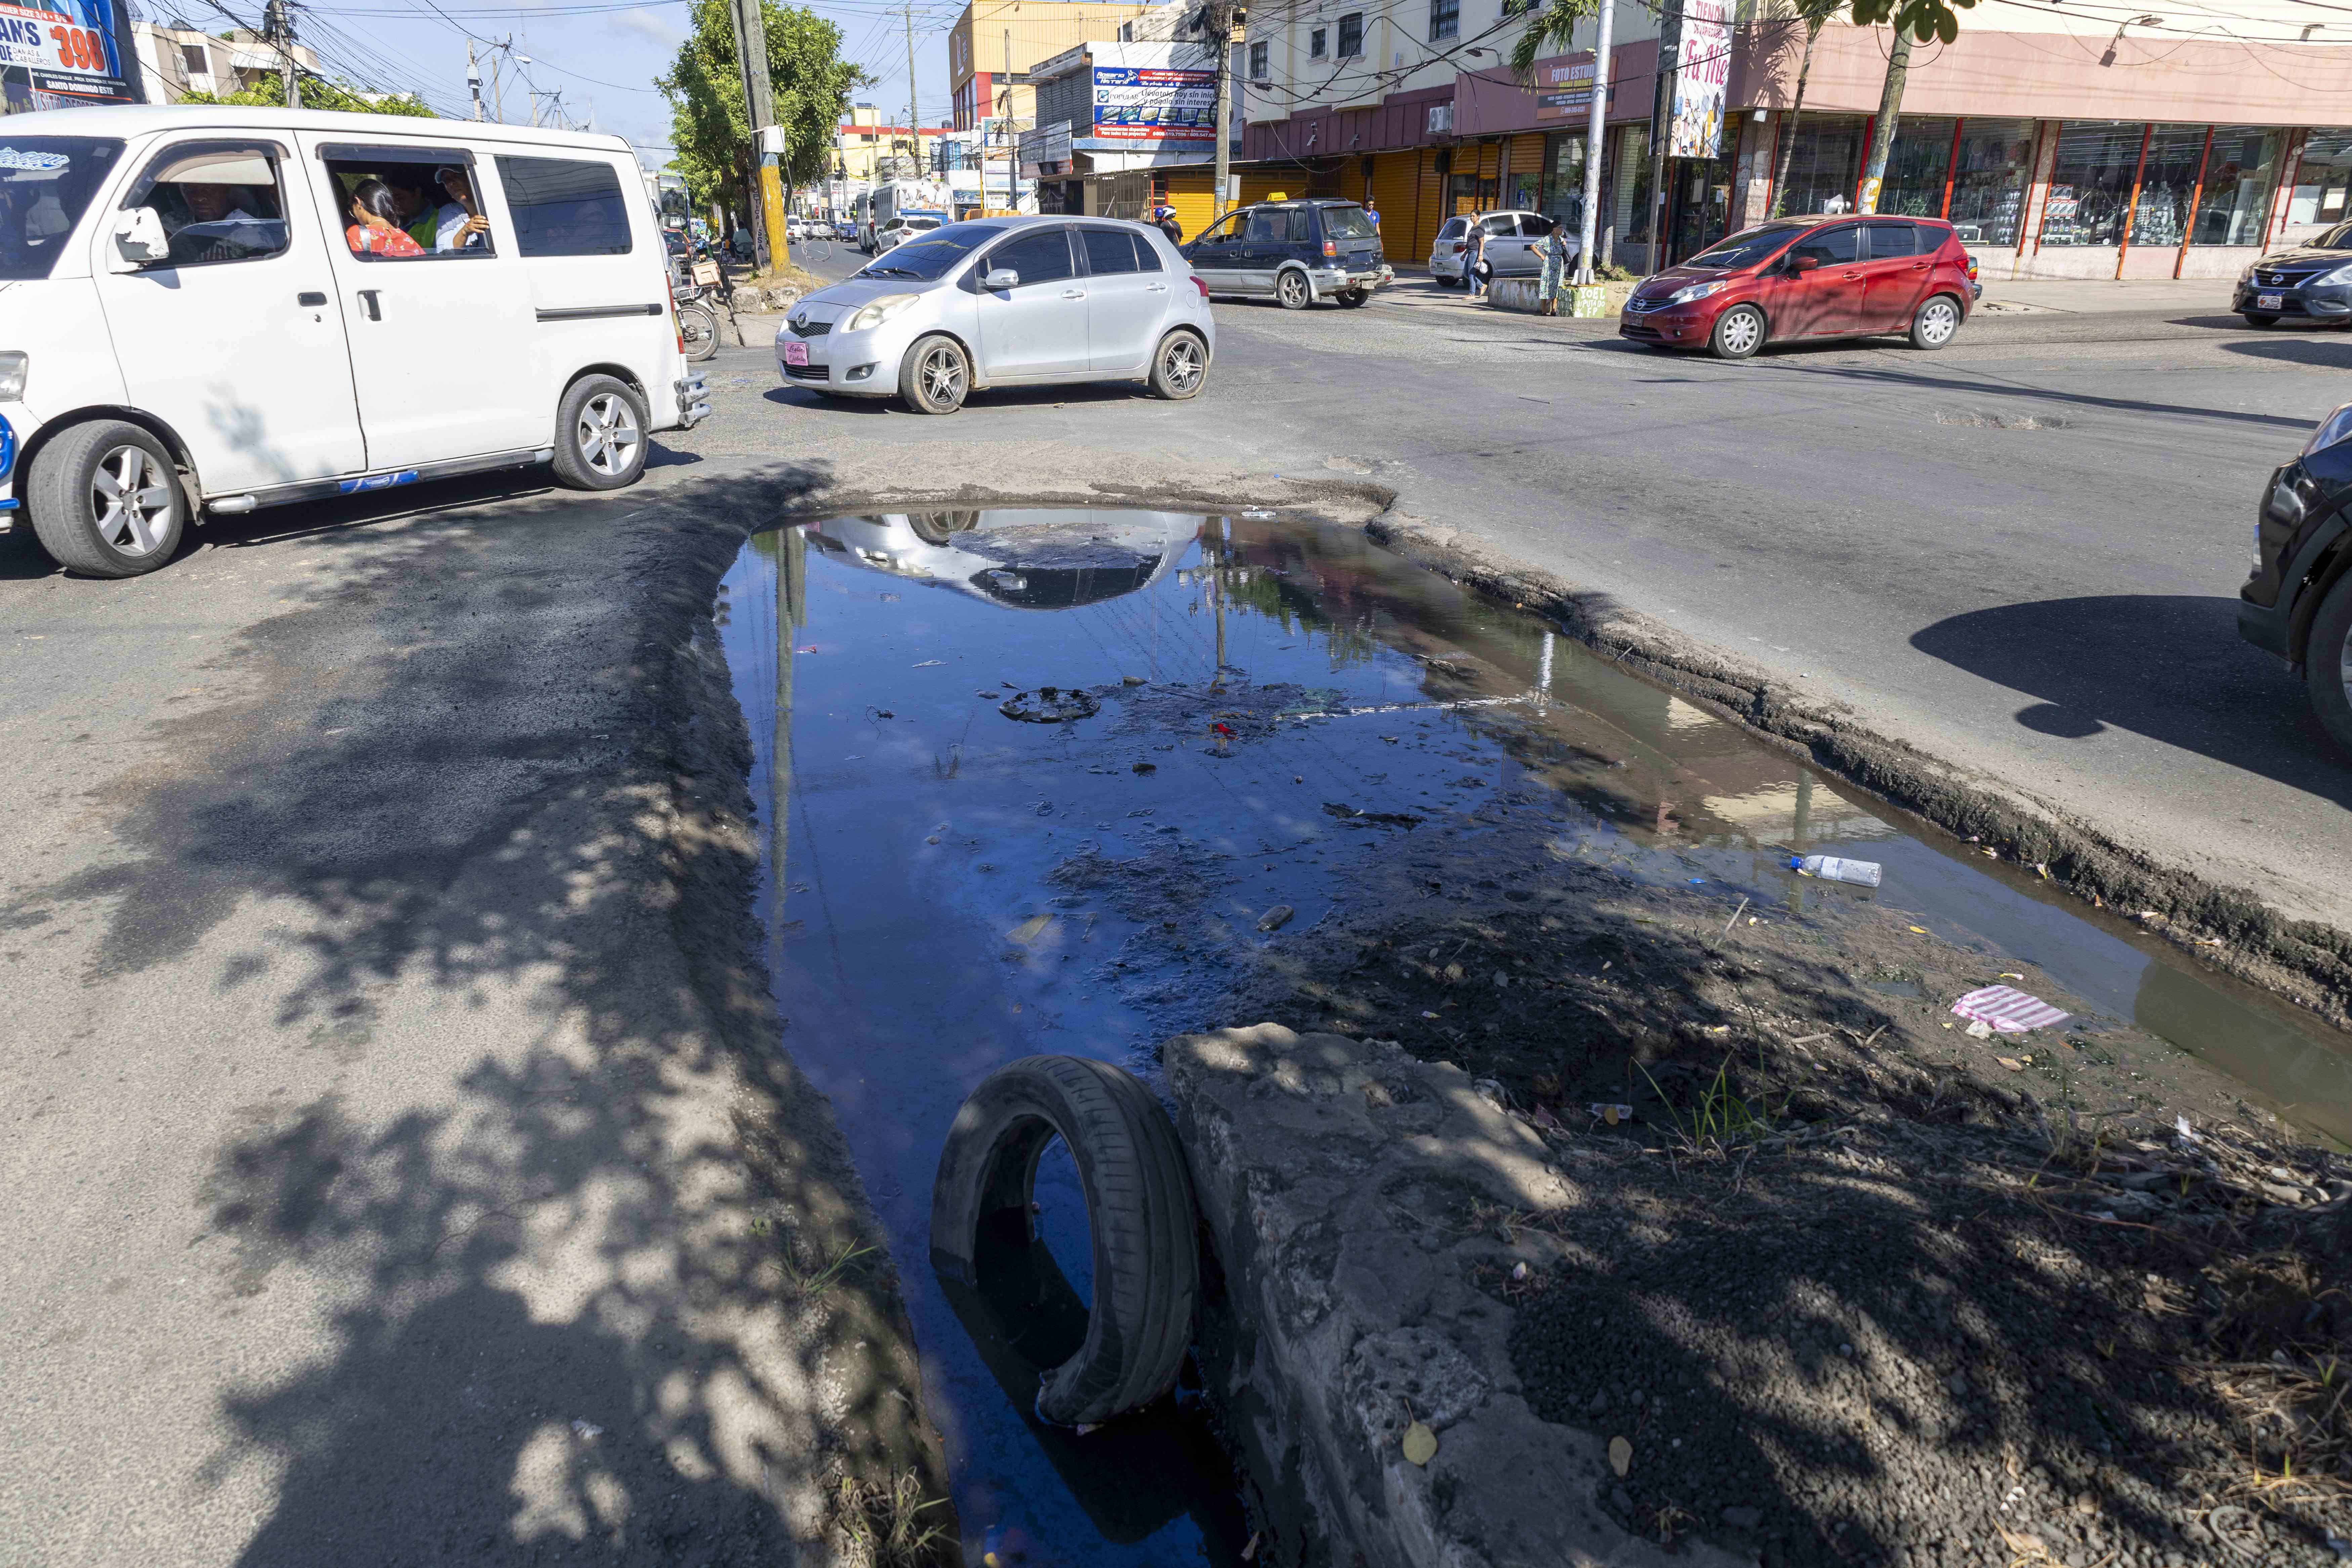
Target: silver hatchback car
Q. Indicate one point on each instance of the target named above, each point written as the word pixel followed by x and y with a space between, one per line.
pixel 1024 301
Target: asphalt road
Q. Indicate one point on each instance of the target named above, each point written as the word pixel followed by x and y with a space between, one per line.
pixel 2021 555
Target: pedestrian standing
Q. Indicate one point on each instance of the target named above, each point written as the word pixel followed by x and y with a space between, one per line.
pixel 1558 269
pixel 1372 211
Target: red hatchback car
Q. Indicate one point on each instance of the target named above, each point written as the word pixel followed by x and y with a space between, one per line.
pixel 1817 276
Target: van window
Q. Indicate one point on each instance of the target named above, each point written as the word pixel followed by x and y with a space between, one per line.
pixel 1277 226
pixel 565 206
pixel 408 203
pixel 45 184
pixel 1348 222
pixel 1888 240
pixel 219 201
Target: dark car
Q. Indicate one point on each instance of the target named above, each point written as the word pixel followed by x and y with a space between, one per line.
pixel 2298 602
pixel 1819 277
pixel 2312 280
pixel 1295 252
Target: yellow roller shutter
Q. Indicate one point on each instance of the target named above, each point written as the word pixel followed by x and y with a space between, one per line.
pixel 1429 215
pixel 1192 192
pixel 1392 193
pixel 1259 184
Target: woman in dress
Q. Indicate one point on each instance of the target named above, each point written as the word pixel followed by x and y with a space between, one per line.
pixel 1558 269
pixel 376 223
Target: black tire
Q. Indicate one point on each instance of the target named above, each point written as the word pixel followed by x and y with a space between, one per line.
pixel 2257 318
pixel 2328 663
pixel 600 434
pixel 936 375
pixel 1179 367
pixel 1353 298
pixel 1292 292
pixel 1738 333
pixel 1139 1213
pixel 698 330
pixel 1936 322
pixel 79 519
pixel 936 528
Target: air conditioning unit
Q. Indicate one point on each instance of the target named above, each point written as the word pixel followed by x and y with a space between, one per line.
pixel 1440 119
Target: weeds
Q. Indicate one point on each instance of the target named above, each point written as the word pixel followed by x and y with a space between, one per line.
pixel 1721 1119
pixel 815 1283
pixel 885 1526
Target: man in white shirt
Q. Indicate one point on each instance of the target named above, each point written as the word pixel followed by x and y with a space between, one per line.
pixel 460 225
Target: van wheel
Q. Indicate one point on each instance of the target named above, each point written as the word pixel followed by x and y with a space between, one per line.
pixel 2328 663
pixel 1290 290
pixel 935 375
pixel 1739 332
pixel 1180 367
pixel 1140 1214
pixel 107 500
pixel 1937 319
pixel 600 434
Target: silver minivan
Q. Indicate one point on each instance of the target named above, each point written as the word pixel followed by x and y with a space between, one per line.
pixel 213 310
pixel 1022 301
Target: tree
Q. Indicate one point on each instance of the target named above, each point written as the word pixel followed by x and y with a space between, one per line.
pixel 318 92
pixel 1814 14
pixel 1554 28
pixel 710 131
pixel 1919 20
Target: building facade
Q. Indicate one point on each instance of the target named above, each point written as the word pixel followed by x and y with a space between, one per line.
pixel 992 47
pixel 175 59
pixel 2060 146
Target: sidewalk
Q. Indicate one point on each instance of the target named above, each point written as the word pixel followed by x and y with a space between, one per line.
pixel 2074 296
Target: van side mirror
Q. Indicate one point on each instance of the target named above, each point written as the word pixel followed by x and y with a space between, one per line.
pixel 139 237
pixel 1001 278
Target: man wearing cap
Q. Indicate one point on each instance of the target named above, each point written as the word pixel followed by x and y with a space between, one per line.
pixel 460 225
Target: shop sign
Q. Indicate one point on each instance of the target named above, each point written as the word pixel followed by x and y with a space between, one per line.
pixel 64 54
pixel 1562 90
pixel 1142 94
pixel 1702 73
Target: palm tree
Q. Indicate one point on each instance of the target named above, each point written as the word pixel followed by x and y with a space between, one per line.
pixel 1554 26
pixel 1814 14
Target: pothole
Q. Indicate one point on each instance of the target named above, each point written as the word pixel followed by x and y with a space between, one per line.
pixel 1977 419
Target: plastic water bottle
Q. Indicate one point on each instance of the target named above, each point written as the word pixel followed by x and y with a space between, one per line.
pixel 1830 869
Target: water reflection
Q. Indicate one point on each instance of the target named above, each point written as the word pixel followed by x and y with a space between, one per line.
pixel 947 889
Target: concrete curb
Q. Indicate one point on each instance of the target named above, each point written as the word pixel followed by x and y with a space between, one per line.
pixel 2308 963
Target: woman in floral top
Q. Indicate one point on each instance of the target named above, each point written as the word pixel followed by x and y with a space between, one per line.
pixel 376 223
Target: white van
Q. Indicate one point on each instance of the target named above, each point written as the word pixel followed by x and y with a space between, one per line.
pixel 212 309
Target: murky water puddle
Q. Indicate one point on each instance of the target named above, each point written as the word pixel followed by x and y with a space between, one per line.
pixel 950 710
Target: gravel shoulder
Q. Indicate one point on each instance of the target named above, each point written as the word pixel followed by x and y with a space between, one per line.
pixel 404 1166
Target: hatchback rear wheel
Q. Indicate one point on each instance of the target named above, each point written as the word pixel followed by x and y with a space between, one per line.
pixel 1739 332
pixel 1291 291
pixel 1180 367
pixel 1935 323
pixel 2328 663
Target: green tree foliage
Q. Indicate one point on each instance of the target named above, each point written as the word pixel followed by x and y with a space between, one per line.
pixel 710 131
pixel 1552 31
pixel 1923 19
pixel 318 93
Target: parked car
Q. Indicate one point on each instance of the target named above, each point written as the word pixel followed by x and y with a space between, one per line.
pixel 1511 245
pixel 1819 276
pixel 2297 603
pixel 1050 559
pixel 901 229
pixel 1295 252
pixel 212 309
pixel 2312 281
pixel 1025 302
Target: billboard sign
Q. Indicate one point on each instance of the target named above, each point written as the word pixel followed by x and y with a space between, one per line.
pixel 1145 98
pixel 1703 71
pixel 1564 90
pixel 64 54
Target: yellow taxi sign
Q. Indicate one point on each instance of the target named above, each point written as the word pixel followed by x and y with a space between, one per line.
pixel 1279 196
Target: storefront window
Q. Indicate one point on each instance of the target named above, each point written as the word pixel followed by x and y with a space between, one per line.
pixel 2166 178
pixel 1563 195
pixel 1633 213
pixel 2090 184
pixel 2322 172
pixel 1988 182
pixel 1701 193
pixel 1915 169
pixel 2235 208
pixel 1824 162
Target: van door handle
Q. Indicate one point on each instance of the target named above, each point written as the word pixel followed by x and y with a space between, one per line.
pixel 371 304
pixel 309 296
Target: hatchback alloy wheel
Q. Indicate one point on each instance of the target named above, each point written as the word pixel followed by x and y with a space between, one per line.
pixel 1291 290
pixel 942 373
pixel 1938 318
pixel 608 433
pixel 131 501
pixel 1182 363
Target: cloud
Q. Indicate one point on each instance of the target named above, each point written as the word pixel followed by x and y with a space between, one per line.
pixel 654 30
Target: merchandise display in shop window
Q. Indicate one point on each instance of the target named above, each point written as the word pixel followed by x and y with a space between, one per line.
pixel 2321 172
pixel 2233 206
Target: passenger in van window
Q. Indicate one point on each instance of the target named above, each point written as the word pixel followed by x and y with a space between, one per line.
pixel 414 209
pixel 376 223
pixel 460 225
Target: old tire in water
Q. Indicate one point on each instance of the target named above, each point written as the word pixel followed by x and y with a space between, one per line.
pixel 1139 1217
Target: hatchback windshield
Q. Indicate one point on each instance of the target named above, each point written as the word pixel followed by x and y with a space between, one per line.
pixel 933 255
pixel 1748 246
pixel 46 183
pixel 1347 223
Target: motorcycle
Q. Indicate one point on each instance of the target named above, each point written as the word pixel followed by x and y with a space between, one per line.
pixel 698 317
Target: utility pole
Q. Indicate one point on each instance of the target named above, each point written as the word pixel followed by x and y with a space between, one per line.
pixel 1220 16
pixel 1595 128
pixel 1005 133
pixel 914 116
pixel 1670 40
pixel 768 243
pixel 278 26
pixel 1890 107
pixel 474 79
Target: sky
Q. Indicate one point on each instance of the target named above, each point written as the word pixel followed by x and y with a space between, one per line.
pixel 598 54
